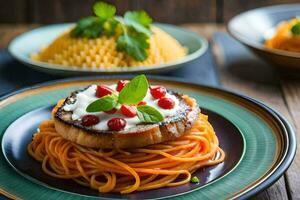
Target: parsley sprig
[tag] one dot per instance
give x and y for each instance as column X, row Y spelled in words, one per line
column 133, row 92
column 195, row 179
column 296, row 28
column 132, row 30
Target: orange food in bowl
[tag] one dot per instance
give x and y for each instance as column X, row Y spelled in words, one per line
column 284, row 39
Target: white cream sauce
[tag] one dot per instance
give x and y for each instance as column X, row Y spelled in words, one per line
column 87, row 96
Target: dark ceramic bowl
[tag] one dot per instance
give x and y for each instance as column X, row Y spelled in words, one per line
column 252, row 28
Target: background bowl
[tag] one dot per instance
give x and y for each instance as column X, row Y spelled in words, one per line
column 32, row 41
column 254, row 26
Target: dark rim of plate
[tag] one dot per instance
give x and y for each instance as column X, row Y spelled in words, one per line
column 290, row 134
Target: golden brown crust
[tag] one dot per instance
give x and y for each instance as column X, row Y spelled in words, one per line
column 151, row 134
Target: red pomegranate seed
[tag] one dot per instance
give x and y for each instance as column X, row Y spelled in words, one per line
column 103, row 90
column 90, row 120
column 112, row 111
column 142, row 103
column 128, row 111
column 121, row 84
column 158, row 92
column 116, row 124
column 166, row 103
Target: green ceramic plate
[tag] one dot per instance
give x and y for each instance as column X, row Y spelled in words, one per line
column 31, row 42
column 258, row 142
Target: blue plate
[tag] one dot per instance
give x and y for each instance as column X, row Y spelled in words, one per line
column 31, row 42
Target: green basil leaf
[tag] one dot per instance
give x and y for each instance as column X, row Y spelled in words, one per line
column 104, row 10
column 105, row 103
column 149, row 114
column 296, row 29
column 134, row 91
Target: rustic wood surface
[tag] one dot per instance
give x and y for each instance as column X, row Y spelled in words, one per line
column 170, row 11
column 283, row 96
column 234, row 7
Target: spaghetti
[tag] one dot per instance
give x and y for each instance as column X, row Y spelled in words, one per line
column 160, row 165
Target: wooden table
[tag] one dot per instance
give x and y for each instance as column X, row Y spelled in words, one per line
column 284, row 97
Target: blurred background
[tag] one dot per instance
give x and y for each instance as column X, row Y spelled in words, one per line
column 227, row 63
column 168, row 11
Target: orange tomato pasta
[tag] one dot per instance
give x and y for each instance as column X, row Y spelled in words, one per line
column 283, row 39
column 166, row 164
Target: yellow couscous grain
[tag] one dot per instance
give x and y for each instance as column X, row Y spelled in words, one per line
column 101, row 52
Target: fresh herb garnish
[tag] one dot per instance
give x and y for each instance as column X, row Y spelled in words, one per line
column 105, row 103
column 296, row 28
column 134, row 46
column 90, row 27
column 104, row 11
column 195, row 179
column 134, row 29
column 149, row 114
column 133, row 93
column 139, row 20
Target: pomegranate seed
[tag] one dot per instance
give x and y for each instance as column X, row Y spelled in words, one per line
column 128, row 111
column 142, row 103
column 158, row 92
column 112, row 111
column 121, row 84
column 90, row 120
column 166, row 103
column 103, row 90
column 116, row 124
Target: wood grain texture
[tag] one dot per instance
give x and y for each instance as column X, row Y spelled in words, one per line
column 8, row 32
column 178, row 11
column 291, row 91
column 207, row 29
column 13, row 11
column 234, row 7
column 293, row 173
column 168, row 11
column 276, row 191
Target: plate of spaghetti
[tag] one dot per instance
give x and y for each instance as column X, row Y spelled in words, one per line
column 139, row 138
column 271, row 32
column 108, row 44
